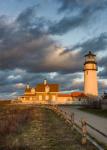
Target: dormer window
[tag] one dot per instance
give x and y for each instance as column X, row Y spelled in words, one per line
column 45, row 82
column 47, row 89
column 33, row 91
column 28, row 87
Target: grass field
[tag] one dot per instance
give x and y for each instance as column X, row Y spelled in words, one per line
column 36, row 128
column 98, row 112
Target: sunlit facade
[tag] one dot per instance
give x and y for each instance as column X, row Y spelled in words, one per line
column 90, row 75
column 48, row 93
column 42, row 93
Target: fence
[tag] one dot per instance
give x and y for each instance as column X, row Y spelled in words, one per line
column 70, row 119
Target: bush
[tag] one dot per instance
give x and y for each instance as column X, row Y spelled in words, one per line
column 93, row 102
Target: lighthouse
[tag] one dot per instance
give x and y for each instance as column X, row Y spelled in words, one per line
column 90, row 75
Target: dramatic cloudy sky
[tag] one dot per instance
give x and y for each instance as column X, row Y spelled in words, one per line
column 48, row 39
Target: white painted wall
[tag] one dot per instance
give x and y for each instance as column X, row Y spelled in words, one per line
column 90, row 82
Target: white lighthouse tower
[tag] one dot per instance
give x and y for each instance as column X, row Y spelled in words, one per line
column 90, row 75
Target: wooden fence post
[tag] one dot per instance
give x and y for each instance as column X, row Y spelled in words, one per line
column 65, row 113
column 72, row 119
column 84, row 132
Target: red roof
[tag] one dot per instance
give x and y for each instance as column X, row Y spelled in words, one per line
column 64, row 95
column 77, row 94
column 73, row 94
column 52, row 87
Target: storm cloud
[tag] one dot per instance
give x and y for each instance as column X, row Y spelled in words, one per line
column 25, row 44
column 95, row 44
column 29, row 52
column 86, row 10
column 69, row 5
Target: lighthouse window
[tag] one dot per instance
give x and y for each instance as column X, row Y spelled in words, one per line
column 93, row 66
column 87, row 72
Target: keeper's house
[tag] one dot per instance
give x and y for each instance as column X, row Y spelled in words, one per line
column 48, row 93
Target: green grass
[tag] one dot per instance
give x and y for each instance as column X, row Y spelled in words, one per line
column 42, row 130
column 98, row 112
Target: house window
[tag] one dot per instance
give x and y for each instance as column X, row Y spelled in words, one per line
column 54, row 97
column 40, row 97
column 47, row 97
column 47, row 89
column 31, row 98
column 33, row 91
